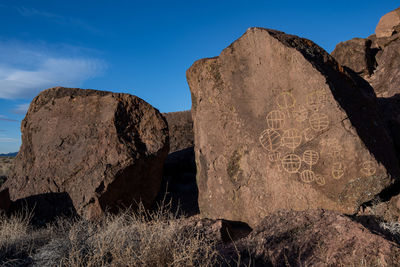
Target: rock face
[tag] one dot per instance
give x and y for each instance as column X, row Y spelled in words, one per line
column 387, row 24
column 105, row 150
column 279, row 124
column 314, row 238
column 180, row 125
column 5, row 201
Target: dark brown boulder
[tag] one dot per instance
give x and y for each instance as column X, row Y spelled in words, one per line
column 313, row 238
column 356, row 54
column 105, row 150
column 5, row 201
column 180, row 125
column 279, row 124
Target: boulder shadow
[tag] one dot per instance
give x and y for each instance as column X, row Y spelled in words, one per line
column 45, row 208
column 179, row 186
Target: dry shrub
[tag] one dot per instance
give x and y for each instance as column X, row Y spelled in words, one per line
column 130, row 238
column 18, row 239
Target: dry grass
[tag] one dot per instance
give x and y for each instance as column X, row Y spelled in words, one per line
column 127, row 239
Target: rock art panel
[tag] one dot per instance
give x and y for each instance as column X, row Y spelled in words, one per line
column 295, row 130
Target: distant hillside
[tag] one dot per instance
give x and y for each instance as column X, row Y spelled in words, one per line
column 9, row 154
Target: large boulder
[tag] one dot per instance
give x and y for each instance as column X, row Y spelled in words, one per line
column 105, row 150
column 388, row 24
column 279, row 124
column 312, row 238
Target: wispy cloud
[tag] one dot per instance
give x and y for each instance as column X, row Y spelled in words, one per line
column 7, row 140
column 5, row 118
column 21, row 109
column 26, row 69
column 56, row 18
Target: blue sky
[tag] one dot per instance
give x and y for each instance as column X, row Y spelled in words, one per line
column 144, row 47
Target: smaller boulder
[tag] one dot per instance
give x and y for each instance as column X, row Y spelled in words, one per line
column 387, row 24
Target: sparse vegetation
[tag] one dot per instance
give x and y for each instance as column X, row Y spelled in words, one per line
column 128, row 239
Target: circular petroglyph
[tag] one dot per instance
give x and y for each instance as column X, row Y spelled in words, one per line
column 291, row 163
column 309, row 134
column 368, row 168
column 319, row 121
column 270, row 139
column 320, row 180
column 310, row 157
column 274, row 156
column 337, row 170
column 300, row 114
column 316, row 99
column 291, row 138
column 285, row 101
column 275, row 119
column 307, row 176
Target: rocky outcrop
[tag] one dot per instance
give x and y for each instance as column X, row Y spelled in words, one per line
column 376, row 58
column 313, row 238
column 280, row 125
column 5, row 201
column 180, row 125
column 104, row 150
column 387, row 25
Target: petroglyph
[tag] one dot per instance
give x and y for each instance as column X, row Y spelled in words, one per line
column 368, row 168
column 310, row 157
column 285, row 101
column 337, row 170
column 274, row 156
column 320, row 180
column 291, row 138
column 317, row 99
column 307, row 176
column 291, row 163
column 309, row 134
column 275, row 119
column 295, row 122
column 300, row 114
column 319, row 121
column 270, row 139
